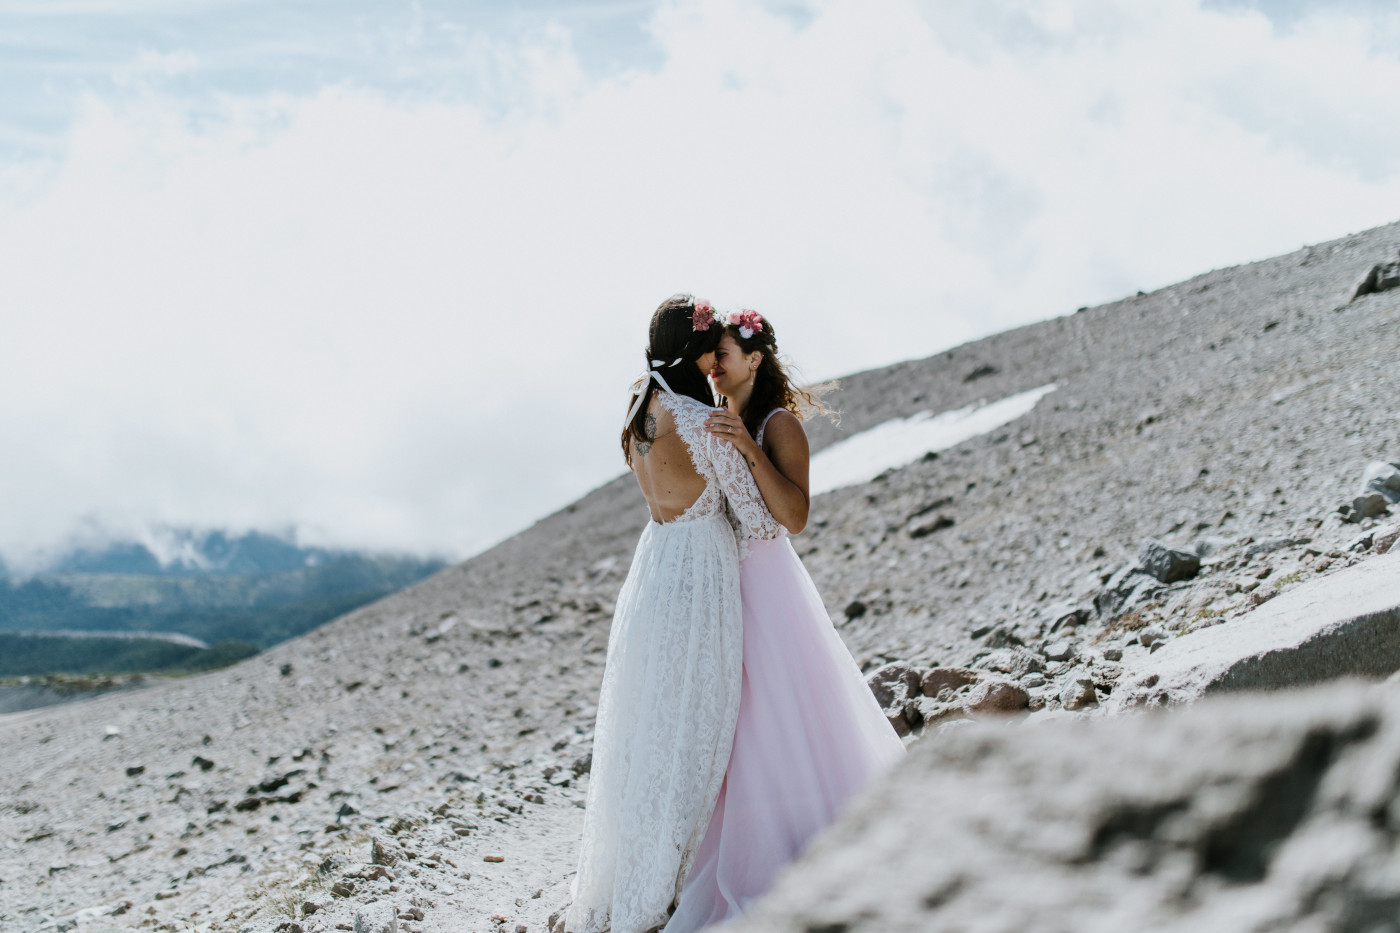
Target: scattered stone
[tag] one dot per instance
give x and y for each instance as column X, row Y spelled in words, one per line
column 378, row 917
column 997, row 697
column 1113, row 653
column 947, row 678
column 1069, row 617
column 1032, row 680
column 1015, row 662
column 1003, row 637
column 274, row 925
column 855, row 609
column 1078, row 693
column 1368, row 505
column 310, row 907
column 1127, row 586
column 382, row 852
column 1269, row 545
column 1165, row 564
column 1060, row 650
column 343, row 888
column 981, row 372
column 1385, row 539
column 582, row 765
column 929, row 526
column 493, row 858
column 135, row 770
column 1363, row 543
column 202, row 763
column 1150, row 636
column 894, row 683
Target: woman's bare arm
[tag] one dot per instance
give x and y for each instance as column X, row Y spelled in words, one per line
column 779, row 467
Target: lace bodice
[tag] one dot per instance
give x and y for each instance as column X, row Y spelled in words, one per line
column 728, row 481
column 770, row 527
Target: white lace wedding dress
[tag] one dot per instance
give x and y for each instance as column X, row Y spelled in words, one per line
column 670, row 695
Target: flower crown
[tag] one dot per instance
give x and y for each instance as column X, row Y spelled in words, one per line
column 703, row 316
column 748, row 322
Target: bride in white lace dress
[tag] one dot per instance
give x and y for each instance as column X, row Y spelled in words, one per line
column 671, row 687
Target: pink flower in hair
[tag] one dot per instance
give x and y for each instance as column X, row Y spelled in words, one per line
column 748, row 322
column 703, row 316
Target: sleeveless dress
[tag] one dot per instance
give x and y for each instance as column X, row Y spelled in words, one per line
column 810, row 735
column 670, row 694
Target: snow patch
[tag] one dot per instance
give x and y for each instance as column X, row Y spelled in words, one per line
column 864, row 456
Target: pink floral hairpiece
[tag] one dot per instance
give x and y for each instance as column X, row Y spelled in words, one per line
column 748, row 322
column 703, row 316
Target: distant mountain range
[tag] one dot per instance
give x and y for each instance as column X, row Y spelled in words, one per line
column 256, row 589
column 184, row 552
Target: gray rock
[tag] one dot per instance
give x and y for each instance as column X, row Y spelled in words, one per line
column 1078, row 693
column 1383, row 277
column 1381, row 477
column 1002, row 637
column 1343, row 624
column 1068, row 616
column 1016, row 662
column 1127, row 585
column 1032, row 680
column 947, row 678
column 1365, row 506
column 934, row 712
column 1385, row 539
column 1165, row 564
column 379, row 917
column 996, row 697
column 1151, row 636
column 894, row 683
column 382, row 852
column 928, row 526
column 1269, row 545
column 1113, row 654
column 1214, row 818
column 1060, row 650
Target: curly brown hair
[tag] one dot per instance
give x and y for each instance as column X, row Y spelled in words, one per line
column 773, row 386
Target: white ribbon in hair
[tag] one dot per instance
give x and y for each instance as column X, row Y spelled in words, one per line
column 639, row 389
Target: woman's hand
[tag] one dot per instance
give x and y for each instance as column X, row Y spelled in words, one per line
column 725, row 424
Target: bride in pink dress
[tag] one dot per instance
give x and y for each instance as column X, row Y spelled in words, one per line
column 809, row 733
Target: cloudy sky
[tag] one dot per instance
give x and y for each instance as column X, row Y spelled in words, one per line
column 380, row 272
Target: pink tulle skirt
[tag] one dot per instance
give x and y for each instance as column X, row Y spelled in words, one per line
column 809, row 736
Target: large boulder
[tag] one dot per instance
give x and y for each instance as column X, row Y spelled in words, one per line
column 1344, row 624
column 1244, row 813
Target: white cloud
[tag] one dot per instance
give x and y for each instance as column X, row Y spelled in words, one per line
column 406, row 321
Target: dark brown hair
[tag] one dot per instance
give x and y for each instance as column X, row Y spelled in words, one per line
column 673, row 337
column 772, row 385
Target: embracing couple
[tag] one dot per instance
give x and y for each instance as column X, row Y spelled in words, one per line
column 732, row 724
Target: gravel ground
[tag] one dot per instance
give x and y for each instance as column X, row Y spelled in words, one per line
column 453, row 719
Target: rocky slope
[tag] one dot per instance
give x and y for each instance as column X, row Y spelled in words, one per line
column 1229, row 416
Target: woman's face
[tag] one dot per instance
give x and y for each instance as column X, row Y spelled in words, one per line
column 732, row 367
